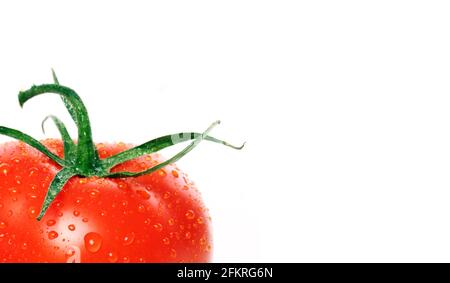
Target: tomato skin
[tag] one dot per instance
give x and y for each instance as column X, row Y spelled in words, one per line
column 158, row 217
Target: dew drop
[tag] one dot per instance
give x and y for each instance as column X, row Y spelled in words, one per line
column 190, row 214
column 93, row 242
column 126, row 259
column 14, row 191
column 85, row 220
column 166, row 241
column 122, row 185
column 10, row 213
column 162, row 173
column 200, row 220
column 128, row 239
column 93, row 192
column 171, row 221
column 175, row 173
column 31, row 196
column 202, row 241
column 76, row 213
column 187, row 235
column 166, row 195
column 51, row 222
column 112, row 257
column 143, row 194
column 78, row 201
column 33, row 171
column 173, row 253
column 52, row 235
column 158, row 227
column 185, row 188
column 24, row 246
column 3, row 225
column 32, row 212
column 71, row 227
column 4, row 169
column 141, row 208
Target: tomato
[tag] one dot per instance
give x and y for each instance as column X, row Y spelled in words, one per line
column 152, row 218
column 62, row 201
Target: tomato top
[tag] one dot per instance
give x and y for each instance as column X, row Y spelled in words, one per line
column 82, row 159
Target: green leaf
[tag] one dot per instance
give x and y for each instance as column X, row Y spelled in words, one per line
column 66, row 102
column 157, row 145
column 87, row 156
column 175, row 158
column 69, row 145
column 32, row 142
column 55, row 187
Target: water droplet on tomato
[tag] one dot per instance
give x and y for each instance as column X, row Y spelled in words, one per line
column 128, row 239
column 173, row 253
column 141, row 208
column 171, row 221
column 202, row 241
column 126, row 259
column 200, row 220
column 162, row 173
column 76, row 213
column 85, row 220
column 166, row 195
column 158, row 227
column 83, row 181
column 190, row 214
column 33, row 171
column 52, row 235
column 112, row 257
column 51, row 222
column 3, row 225
column 31, row 196
column 32, row 212
column 143, row 194
column 71, row 227
column 93, row 192
column 78, row 201
column 188, row 235
column 93, row 242
column 175, row 173
column 4, row 169
column 166, row 241
column 185, row 188
column 10, row 213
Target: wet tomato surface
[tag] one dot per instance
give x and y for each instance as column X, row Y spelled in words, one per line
column 158, row 217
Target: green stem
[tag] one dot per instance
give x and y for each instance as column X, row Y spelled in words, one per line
column 32, row 142
column 82, row 159
column 157, row 145
column 69, row 145
column 87, row 157
column 55, row 187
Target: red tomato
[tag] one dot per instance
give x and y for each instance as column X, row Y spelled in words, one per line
column 152, row 218
column 62, row 201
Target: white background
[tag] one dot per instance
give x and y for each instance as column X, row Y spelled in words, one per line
column 344, row 104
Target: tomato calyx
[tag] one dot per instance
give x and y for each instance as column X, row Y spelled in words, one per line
column 81, row 159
